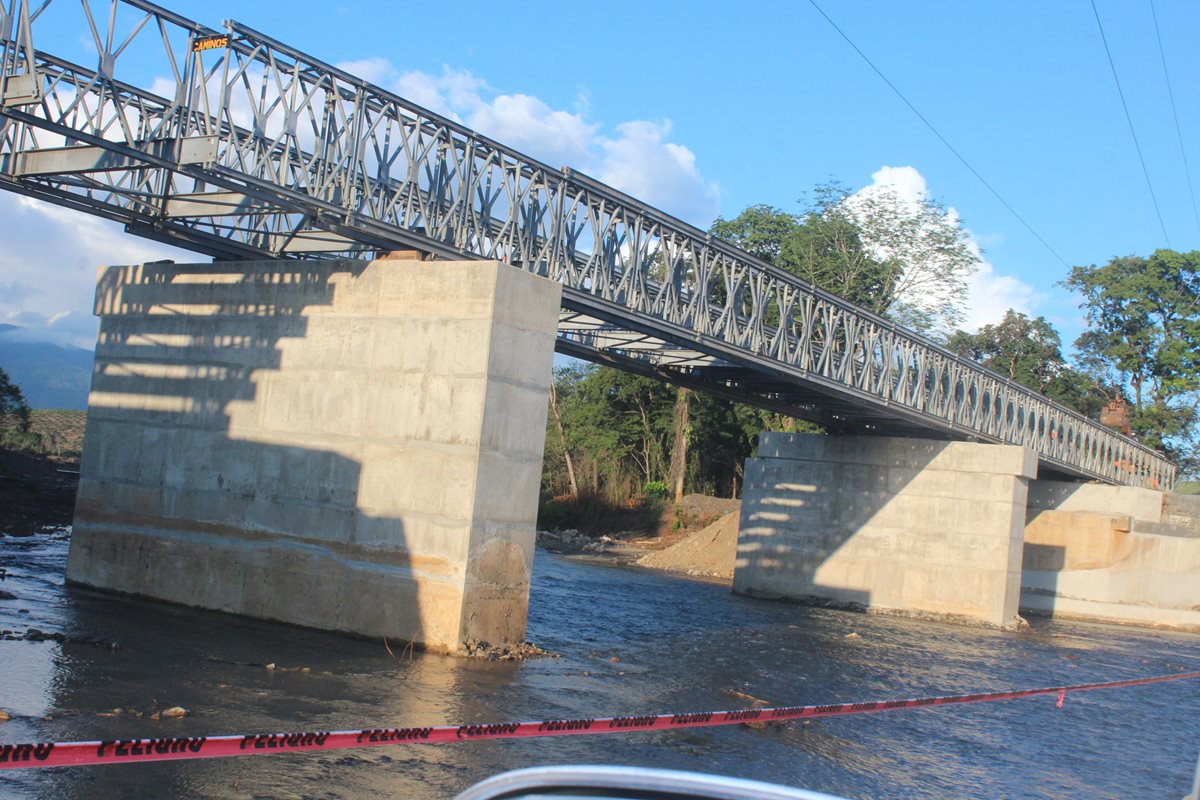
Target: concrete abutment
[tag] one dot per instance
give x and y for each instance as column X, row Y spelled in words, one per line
column 345, row 445
column 1112, row 554
column 906, row 526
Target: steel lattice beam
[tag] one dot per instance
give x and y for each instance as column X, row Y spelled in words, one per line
column 261, row 151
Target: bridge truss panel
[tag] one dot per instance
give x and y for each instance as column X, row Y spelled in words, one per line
column 243, row 147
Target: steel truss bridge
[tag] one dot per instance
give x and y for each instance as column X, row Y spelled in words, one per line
column 232, row 144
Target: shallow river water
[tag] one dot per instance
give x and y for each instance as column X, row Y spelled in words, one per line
column 630, row 643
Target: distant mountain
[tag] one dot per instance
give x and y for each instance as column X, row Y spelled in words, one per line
column 50, row 376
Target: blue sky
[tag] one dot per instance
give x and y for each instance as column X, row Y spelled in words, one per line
column 705, row 108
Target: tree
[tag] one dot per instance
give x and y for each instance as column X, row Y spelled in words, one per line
column 1085, row 391
column 1029, row 352
column 616, row 430
column 1144, row 333
column 619, row 434
column 906, row 258
column 761, row 231
column 928, row 254
column 724, row 435
column 556, row 416
column 821, row 246
column 14, row 411
column 680, row 440
column 1024, row 350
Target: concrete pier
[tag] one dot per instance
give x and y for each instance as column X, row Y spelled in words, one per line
column 907, row 526
column 352, row 446
column 1112, row 554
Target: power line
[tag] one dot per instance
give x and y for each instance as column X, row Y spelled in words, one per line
column 1129, row 119
column 941, row 138
column 1187, row 170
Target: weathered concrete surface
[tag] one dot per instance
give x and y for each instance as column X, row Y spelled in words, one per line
column 1114, row 567
column 1180, row 517
column 1141, row 504
column 906, row 526
column 342, row 445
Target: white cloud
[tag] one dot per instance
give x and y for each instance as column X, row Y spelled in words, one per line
column 642, row 163
column 635, row 156
column 527, row 124
column 989, row 293
column 451, row 94
column 374, row 70
column 48, row 266
column 907, row 182
column 423, row 90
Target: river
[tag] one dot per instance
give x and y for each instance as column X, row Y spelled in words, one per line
column 629, row 642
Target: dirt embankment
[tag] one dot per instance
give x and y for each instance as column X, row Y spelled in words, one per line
column 709, row 552
column 697, row 537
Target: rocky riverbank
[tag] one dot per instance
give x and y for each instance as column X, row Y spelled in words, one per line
column 36, row 492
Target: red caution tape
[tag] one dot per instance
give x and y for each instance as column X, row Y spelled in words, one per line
column 126, row 751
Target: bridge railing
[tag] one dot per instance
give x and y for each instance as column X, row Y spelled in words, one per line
column 246, row 147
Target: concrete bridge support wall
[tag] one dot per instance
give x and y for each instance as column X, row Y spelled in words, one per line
column 342, row 445
column 1112, row 554
column 907, row 526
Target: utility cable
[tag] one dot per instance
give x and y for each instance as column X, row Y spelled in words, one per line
column 1129, row 119
column 941, row 138
column 1187, row 170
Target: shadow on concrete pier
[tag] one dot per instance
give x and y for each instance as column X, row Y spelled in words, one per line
column 351, row 446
